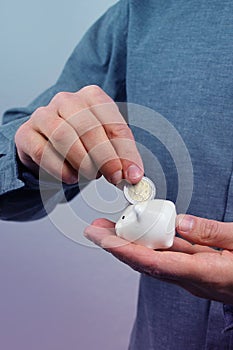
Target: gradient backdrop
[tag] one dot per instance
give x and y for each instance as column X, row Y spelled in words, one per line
column 55, row 294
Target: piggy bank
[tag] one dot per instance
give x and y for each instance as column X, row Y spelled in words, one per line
column 150, row 223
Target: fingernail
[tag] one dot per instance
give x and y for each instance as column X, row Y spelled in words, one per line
column 134, row 173
column 74, row 179
column 116, row 177
column 185, row 223
column 87, row 233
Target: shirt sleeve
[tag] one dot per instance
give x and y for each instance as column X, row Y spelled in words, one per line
column 228, row 317
column 99, row 59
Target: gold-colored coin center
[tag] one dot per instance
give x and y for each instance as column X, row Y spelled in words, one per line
column 142, row 191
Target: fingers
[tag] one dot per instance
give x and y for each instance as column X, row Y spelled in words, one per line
column 159, row 264
column 35, row 149
column 88, row 131
column 103, row 132
column 181, row 245
column 202, row 271
column 102, row 232
column 64, row 139
column 121, row 138
column 104, row 223
column 206, row 232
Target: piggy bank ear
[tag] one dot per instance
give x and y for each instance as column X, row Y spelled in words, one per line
column 138, row 209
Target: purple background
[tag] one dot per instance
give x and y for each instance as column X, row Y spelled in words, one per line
column 55, row 294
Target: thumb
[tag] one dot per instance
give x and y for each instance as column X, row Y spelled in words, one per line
column 205, row 232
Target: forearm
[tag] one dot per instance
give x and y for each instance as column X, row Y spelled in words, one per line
column 26, row 205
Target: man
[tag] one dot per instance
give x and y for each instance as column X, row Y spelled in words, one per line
column 174, row 57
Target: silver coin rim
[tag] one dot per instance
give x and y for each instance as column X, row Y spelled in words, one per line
column 133, row 201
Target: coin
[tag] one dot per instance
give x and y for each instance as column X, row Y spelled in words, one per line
column 143, row 191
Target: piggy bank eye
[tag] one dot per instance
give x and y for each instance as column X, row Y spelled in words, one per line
column 123, row 217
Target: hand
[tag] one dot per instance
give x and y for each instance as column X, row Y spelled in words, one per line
column 203, row 271
column 80, row 133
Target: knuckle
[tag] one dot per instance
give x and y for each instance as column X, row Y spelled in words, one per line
column 57, row 135
column 209, row 230
column 23, row 135
column 40, row 113
column 61, row 97
column 95, row 95
column 21, row 132
column 92, row 90
column 86, row 123
column 37, row 153
column 120, row 130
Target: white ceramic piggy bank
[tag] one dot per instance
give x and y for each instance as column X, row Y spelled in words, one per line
column 150, row 223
